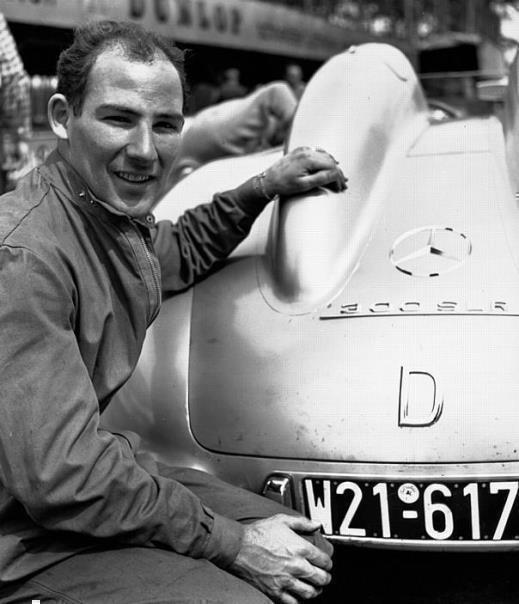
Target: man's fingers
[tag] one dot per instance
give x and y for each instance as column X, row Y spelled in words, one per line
column 321, row 543
column 314, row 159
column 313, row 575
column 325, row 178
column 326, row 154
column 302, row 170
column 319, row 558
column 304, row 591
column 300, row 524
column 286, row 598
column 325, row 166
column 320, row 549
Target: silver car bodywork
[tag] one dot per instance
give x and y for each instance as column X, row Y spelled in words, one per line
column 357, row 344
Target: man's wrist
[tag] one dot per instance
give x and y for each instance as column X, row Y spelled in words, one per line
column 258, row 182
column 224, row 541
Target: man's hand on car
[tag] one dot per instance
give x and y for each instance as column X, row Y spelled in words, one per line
column 280, row 562
column 301, row 170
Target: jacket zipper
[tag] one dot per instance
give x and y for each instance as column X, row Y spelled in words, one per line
column 154, row 271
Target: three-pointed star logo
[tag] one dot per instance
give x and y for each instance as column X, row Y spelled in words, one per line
column 430, row 251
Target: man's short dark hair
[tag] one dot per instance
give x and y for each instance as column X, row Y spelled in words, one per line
column 90, row 40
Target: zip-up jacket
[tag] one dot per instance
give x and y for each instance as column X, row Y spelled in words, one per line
column 79, row 285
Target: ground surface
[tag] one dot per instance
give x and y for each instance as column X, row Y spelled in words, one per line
column 364, row 576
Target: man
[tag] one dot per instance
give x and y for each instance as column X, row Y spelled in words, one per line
column 15, row 108
column 231, row 87
column 294, row 78
column 84, row 517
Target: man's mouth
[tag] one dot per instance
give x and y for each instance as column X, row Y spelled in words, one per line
column 134, row 178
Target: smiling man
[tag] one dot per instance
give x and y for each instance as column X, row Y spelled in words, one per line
column 84, row 515
column 125, row 136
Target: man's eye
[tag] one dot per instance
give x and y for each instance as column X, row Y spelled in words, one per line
column 168, row 126
column 118, row 119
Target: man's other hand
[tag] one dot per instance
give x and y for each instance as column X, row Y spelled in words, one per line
column 280, row 562
column 301, row 170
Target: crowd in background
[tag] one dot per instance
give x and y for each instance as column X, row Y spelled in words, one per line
column 228, row 85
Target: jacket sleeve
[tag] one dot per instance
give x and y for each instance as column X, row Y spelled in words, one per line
column 55, row 460
column 204, row 236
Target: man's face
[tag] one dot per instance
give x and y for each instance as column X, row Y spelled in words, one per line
column 127, row 136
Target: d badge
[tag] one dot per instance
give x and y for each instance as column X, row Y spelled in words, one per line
column 420, row 402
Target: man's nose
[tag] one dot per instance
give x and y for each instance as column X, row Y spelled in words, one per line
column 142, row 145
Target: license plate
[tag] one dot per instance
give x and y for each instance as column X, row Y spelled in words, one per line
column 434, row 511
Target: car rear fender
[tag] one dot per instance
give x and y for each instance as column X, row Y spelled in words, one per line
column 366, row 107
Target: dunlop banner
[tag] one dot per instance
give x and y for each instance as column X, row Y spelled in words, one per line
column 240, row 24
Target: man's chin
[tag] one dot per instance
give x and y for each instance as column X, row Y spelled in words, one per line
column 137, row 211
column 133, row 207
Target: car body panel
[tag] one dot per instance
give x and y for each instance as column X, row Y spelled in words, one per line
column 368, row 335
column 446, row 327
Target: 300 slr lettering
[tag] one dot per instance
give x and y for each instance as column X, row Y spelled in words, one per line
column 444, row 306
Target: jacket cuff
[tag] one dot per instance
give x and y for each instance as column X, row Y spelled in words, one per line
column 248, row 198
column 224, row 541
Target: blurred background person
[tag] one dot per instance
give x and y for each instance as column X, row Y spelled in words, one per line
column 231, row 86
column 294, row 78
column 204, row 91
column 237, row 127
column 203, row 94
column 15, row 109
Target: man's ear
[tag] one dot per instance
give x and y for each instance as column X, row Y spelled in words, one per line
column 58, row 111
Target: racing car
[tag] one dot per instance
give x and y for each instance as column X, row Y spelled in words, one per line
column 357, row 357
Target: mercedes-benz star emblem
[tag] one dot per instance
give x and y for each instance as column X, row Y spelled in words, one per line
column 430, row 251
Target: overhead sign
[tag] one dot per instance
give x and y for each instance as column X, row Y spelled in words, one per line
column 240, row 24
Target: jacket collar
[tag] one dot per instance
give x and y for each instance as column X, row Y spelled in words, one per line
column 61, row 174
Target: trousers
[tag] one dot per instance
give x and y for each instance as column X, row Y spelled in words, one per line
column 140, row 575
